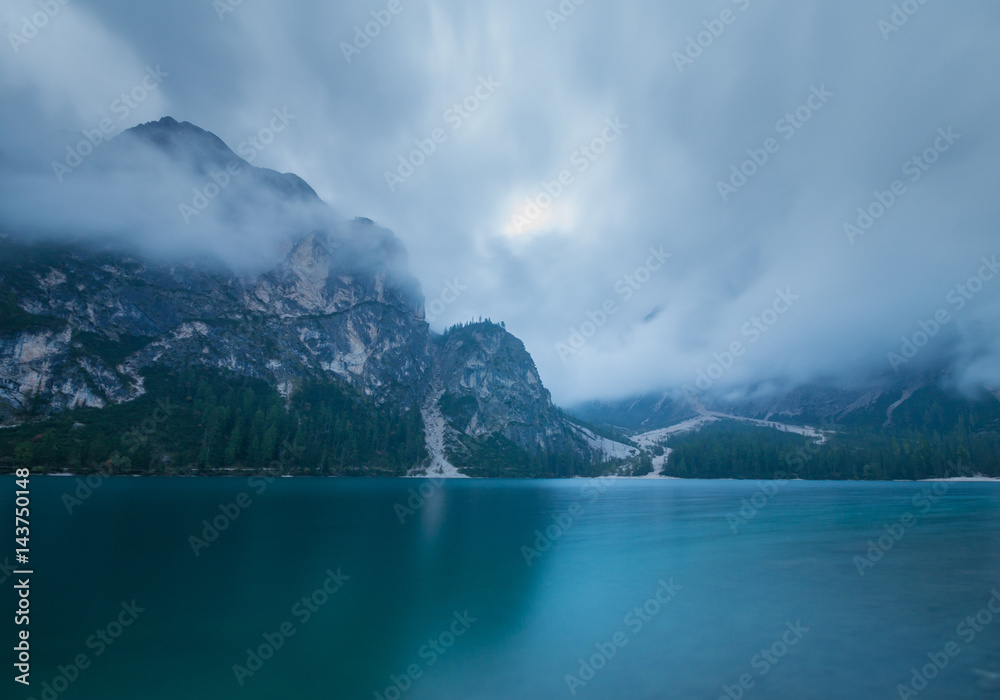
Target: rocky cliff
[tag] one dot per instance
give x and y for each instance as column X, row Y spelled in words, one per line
column 83, row 324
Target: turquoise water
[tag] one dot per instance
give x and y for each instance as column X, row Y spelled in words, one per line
column 647, row 581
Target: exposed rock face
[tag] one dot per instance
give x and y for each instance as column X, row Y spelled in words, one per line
column 491, row 386
column 81, row 325
column 35, row 366
column 810, row 403
column 305, row 319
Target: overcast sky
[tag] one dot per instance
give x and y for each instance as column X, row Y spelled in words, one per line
column 643, row 109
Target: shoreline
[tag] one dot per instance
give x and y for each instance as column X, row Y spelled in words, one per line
column 431, row 477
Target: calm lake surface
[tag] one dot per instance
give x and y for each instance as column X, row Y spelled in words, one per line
column 645, row 590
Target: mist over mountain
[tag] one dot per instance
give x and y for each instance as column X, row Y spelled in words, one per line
column 819, row 220
column 325, row 343
column 500, row 348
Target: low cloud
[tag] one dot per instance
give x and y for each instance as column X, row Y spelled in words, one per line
column 884, row 102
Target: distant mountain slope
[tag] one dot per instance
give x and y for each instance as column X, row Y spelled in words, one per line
column 899, row 428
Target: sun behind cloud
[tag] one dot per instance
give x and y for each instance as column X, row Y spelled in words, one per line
column 538, row 215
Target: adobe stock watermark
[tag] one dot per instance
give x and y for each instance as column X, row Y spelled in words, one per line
column 230, row 512
column 302, row 610
column 767, row 490
column 454, row 118
column 224, row 7
column 787, row 127
column 100, row 641
column 901, row 14
column 958, row 298
column 636, row 620
column 581, row 159
column 562, row 522
column 449, row 295
column 5, row 570
column 967, row 631
column 562, row 13
column 626, row 288
column 914, row 169
column 703, row 40
column 429, row 654
column 31, row 26
column 363, row 36
column 765, row 660
column 801, row 456
column 753, row 330
column 922, row 504
column 133, row 439
column 248, row 149
column 106, row 129
column 417, row 499
column 750, row 507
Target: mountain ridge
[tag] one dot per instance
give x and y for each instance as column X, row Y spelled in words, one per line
column 326, row 348
column 84, row 323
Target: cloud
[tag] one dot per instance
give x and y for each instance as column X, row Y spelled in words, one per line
column 886, row 97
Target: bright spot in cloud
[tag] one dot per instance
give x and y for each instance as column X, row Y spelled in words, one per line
column 527, row 218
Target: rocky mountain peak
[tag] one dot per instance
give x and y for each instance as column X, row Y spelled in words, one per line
column 339, row 309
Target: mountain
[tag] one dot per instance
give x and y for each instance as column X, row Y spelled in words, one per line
column 904, row 426
column 320, row 361
column 234, row 323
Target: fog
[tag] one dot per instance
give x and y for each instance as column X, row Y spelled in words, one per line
column 646, row 193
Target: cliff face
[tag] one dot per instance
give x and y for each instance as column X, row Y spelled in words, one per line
column 491, row 387
column 81, row 325
column 90, row 323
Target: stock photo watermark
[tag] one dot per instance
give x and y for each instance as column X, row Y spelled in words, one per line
column 787, row 127
column 958, row 297
column 133, row 439
column 303, row 611
column 230, row 512
column 626, row 288
column 224, row 7
column 454, row 118
column 801, row 456
column 546, row 539
column 901, row 14
column 536, row 208
column 703, row 40
column 363, row 35
column 765, row 660
column 100, row 641
column 635, row 621
column 450, row 293
column 750, row 507
column 106, row 129
column 5, row 569
column 922, row 504
column 429, row 653
column 914, row 169
column 753, row 330
column 417, row 499
column 33, row 25
column 562, row 13
column 248, row 149
column 937, row 661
